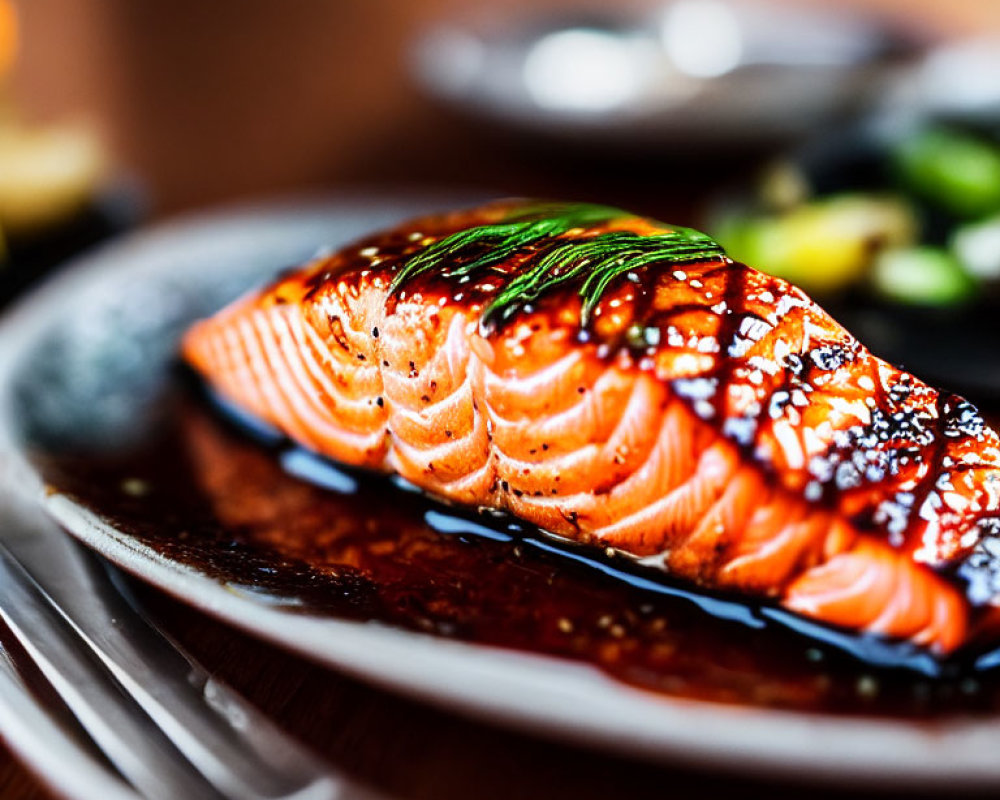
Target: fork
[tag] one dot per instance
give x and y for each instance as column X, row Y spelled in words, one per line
column 155, row 720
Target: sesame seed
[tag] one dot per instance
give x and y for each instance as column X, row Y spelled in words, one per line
column 867, row 686
column 135, row 487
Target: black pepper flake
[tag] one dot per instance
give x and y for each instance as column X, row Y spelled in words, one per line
column 375, row 332
column 379, row 402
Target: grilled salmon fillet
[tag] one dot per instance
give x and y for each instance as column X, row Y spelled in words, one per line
column 622, row 382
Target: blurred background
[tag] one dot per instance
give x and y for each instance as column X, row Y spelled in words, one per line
column 211, row 101
column 850, row 146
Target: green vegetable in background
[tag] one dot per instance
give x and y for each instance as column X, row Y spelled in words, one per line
column 823, row 246
column 783, row 186
column 977, row 246
column 922, row 276
column 952, row 169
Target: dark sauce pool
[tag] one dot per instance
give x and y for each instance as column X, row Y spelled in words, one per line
column 288, row 527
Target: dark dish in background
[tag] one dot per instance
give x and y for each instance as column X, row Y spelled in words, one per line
column 896, row 227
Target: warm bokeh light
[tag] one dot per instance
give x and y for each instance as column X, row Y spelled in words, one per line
column 8, row 36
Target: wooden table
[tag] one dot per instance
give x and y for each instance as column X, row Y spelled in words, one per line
column 159, row 115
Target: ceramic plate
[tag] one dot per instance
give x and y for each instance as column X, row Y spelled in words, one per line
column 89, row 353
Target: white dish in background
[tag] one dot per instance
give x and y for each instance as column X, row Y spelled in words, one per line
column 111, row 323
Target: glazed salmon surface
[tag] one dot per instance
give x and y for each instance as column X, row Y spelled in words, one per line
column 622, row 382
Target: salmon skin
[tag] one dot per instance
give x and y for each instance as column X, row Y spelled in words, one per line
column 622, row 382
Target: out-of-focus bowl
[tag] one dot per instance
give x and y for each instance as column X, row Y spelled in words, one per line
column 697, row 73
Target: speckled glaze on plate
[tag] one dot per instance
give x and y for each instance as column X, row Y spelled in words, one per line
column 90, row 353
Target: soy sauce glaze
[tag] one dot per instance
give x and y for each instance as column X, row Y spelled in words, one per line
column 289, row 528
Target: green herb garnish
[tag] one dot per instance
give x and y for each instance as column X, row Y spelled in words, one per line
column 594, row 260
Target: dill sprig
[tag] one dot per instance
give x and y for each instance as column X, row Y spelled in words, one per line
column 520, row 230
column 598, row 261
column 592, row 260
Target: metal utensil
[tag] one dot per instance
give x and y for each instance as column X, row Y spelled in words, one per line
column 164, row 726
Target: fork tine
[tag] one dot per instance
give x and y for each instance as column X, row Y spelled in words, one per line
column 42, row 741
column 241, row 752
column 130, row 740
column 238, row 750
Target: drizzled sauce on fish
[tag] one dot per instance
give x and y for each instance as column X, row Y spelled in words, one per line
column 288, row 528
